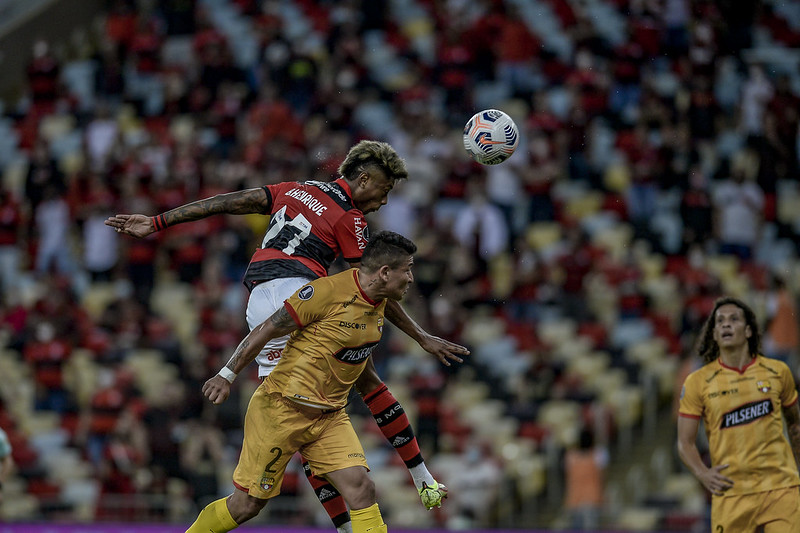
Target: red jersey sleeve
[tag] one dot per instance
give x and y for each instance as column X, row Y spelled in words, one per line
column 352, row 235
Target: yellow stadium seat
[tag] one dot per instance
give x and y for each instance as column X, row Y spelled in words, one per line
column 543, row 235
column 615, row 240
column 724, row 267
column 639, row 519
column 97, row 297
column 586, row 204
column 557, row 332
column 562, row 418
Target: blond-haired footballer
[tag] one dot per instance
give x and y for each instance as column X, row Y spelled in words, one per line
column 335, row 322
column 743, row 399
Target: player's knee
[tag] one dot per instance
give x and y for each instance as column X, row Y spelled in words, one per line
column 363, row 493
column 244, row 507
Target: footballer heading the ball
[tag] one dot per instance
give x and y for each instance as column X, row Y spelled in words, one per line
column 490, row 137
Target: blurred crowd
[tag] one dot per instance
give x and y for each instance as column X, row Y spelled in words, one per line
column 657, row 169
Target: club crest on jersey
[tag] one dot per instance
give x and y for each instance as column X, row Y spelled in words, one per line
column 266, row 482
column 380, row 324
column 763, row 386
column 306, row 292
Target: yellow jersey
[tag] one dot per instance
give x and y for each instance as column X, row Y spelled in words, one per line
column 741, row 411
column 339, row 328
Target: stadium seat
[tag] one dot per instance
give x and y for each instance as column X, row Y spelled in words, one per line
column 625, row 403
column 557, row 332
column 562, row 420
column 639, row 519
column 580, row 207
column 543, row 235
column 615, row 240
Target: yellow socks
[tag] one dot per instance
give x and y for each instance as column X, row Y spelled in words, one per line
column 367, row 520
column 215, row 518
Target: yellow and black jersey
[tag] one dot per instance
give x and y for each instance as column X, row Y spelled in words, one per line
column 339, row 327
column 741, row 410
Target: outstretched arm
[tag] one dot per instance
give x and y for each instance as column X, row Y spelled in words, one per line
column 711, row 478
column 234, row 203
column 792, row 416
column 444, row 350
column 217, row 389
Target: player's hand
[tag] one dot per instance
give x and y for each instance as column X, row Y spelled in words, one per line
column 135, row 225
column 715, row 482
column 444, row 350
column 217, row 389
column 432, row 495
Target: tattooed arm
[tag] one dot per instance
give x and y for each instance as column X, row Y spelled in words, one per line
column 792, row 416
column 234, row 203
column 218, row 388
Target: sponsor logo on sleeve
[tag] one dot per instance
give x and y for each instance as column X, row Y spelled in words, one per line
column 306, row 292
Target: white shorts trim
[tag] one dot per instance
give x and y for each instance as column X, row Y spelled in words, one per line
column 265, row 299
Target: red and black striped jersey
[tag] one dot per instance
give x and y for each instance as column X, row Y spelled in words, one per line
column 311, row 224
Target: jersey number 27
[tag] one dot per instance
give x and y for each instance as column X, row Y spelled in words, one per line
column 279, row 222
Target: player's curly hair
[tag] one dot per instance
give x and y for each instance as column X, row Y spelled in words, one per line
column 376, row 154
column 707, row 347
column 386, row 248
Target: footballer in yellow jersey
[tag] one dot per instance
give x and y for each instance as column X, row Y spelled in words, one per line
column 741, row 412
column 335, row 324
column 743, row 399
column 323, row 361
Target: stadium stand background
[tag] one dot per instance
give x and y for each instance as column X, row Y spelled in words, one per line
column 576, row 272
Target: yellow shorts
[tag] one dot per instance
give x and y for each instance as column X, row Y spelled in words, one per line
column 275, row 428
column 777, row 511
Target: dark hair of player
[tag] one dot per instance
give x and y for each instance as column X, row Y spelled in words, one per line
column 387, row 248
column 707, row 347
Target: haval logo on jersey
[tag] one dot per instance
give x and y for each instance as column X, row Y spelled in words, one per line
column 362, row 233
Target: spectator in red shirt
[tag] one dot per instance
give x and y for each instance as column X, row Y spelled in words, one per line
column 44, row 73
column 46, row 355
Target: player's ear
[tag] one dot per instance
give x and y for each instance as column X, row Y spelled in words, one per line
column 383, row 273
column 748, row 332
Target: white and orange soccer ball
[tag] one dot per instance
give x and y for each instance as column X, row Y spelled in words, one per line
column 490, row 137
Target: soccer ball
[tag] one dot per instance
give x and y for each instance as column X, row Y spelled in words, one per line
column 490, row 137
